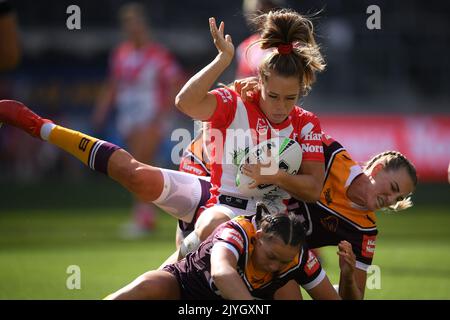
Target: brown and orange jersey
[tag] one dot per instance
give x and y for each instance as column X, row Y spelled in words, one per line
column 194, row 159
column 237, row 235
column 335, row 217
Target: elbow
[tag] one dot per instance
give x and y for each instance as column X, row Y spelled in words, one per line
column 183, row 100
column 217, row 277
column 179, row 101
column 220, row 277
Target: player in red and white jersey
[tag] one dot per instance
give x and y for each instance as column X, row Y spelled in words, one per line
column 284, row 78
column 263, row 257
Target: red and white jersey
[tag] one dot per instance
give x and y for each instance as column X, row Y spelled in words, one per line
column 249, row 60
column 232, row 119
column 143, row 77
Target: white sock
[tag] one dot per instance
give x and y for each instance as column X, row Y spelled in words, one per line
column 189, row 244
column 46, row 129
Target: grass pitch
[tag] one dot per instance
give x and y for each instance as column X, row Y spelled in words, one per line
column 38, row 245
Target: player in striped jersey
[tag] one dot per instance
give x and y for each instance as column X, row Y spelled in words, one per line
column 285, row 76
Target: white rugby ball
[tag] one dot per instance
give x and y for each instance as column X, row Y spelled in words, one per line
column 285, row 154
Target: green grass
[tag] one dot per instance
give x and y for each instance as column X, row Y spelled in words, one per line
column 37, row 246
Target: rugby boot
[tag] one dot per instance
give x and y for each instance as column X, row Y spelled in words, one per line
column 16, row 114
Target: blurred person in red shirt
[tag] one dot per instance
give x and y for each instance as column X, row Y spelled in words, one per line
column 249, row 60
column 144, row 78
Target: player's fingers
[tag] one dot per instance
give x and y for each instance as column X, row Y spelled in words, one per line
column 228, row 38
column 238, row 86
column 244, row 90
column 221, row 28
column 213, row 27
column 252, row 185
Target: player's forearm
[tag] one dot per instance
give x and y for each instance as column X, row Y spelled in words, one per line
column 230, row 284
column 194, row 92
column 301, row 186
column 104, row 102
column 348, row 288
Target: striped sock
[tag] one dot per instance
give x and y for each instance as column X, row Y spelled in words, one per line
column 91, row 151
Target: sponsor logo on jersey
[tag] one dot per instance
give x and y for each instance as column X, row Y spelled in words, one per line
column 312, row 265
column 234, row 237
column 261, row 126
column 368, row 246
column 225, row 94
column 313, row 136
column 306, row 147
column 330, row 223
column 192, row 169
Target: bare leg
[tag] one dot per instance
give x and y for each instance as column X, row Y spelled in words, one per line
column 144, row 181
column 152, row 285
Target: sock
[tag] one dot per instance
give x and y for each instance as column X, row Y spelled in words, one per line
column 189, row 244
column 91, row 151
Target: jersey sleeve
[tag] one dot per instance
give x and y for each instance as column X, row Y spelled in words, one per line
column 226, row 108
column 310, row 273
column 310, row 138
column 229, row 237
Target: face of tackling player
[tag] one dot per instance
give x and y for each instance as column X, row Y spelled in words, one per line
column 271, row 254
column 388, row 187
column 278, row 96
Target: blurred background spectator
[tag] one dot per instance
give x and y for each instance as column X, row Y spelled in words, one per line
column 143, row 81
column 9, row 46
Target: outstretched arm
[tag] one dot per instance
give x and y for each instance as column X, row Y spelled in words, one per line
column 194, row 99
column 324, row 291
column 225, row 275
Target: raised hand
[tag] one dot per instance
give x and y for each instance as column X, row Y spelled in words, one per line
column 223, row 43
column 246, row 87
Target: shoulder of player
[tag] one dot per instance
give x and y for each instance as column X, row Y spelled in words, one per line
column 300, row 117
column 238, row 231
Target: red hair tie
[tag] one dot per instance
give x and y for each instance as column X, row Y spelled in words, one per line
column 285, row 48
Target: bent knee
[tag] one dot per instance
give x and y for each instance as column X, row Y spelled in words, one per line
column 207, row 223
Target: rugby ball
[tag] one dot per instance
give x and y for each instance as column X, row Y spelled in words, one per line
column 276, row 153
